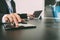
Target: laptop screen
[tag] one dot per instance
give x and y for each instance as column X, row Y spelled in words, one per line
column 37, row 13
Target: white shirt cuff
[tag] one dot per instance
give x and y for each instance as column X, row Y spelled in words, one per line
column 3, row 20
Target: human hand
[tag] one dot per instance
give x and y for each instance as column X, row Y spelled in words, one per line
column 13, row 18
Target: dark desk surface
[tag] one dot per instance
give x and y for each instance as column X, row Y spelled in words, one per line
column 47, row 29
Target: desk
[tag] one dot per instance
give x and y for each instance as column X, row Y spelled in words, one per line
column 47, row 29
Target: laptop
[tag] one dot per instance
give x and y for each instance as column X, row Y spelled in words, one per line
column 37, row 14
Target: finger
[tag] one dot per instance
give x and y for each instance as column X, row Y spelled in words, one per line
column 17, row 17
column 15, row 20
column 6, row 19
column 10, row 18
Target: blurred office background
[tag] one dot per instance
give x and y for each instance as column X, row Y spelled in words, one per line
column 48, row 10
column 29, row 6
column 50, row 7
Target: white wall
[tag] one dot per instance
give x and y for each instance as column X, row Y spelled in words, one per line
column 29, row 6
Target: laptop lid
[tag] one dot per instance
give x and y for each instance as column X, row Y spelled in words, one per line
column 37, row 13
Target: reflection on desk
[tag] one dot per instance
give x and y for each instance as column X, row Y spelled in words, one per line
column 47, row 29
